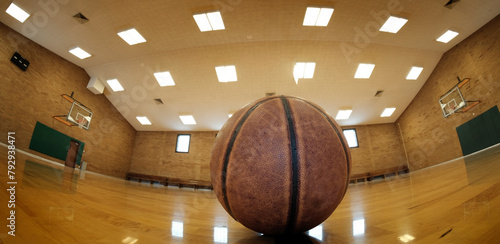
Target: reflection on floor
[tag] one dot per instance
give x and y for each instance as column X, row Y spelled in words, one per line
column 455, row 202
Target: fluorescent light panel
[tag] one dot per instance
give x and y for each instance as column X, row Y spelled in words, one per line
column 17, row 12
column 343, row 114
column 388, row 112
column 316, row 16
column 131, row 36
column 80, row 53
column 303, row 70
column 447, row 36
column 414, row 73
column 143, row 120
column 364, row 71
column 164, row 78
column 226, row 73
column 115, row 85
column 209, row 21
column 393, row 24
column 187, row 119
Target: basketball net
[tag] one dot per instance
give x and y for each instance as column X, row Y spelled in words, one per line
column 81, row 123
column 451, row 109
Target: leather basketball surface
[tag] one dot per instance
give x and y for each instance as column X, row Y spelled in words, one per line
column 280, row 165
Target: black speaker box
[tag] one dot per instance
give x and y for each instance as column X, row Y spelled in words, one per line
column 18, row 60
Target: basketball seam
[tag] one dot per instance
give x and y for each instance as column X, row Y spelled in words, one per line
column 294, row 192
column 229, row 150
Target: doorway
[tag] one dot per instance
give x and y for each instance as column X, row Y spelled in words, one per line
column 72, row 153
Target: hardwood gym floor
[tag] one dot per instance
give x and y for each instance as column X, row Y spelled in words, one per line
column 454, row 202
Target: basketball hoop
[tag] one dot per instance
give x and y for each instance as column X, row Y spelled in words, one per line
column 451, row 109
column 81, row 123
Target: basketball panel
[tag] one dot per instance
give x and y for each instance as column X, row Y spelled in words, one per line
column 259, row 174
column 323, row 165
column 219, row 149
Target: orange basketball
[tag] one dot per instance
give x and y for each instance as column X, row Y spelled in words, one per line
column 280, row 165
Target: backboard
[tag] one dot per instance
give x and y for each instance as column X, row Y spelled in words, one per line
column 79, row 115
column 452, row 101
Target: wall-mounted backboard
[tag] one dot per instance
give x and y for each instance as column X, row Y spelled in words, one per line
column 452, row 101
column 79, row 115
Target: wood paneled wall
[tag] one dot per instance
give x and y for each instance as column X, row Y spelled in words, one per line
column 35, row 95
column 428, row 136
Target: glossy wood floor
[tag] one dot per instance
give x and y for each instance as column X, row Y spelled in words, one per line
column 455, row 202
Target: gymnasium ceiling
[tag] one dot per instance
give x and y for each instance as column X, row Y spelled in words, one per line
column 264, row 40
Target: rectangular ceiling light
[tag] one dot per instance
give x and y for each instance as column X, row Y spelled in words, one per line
column 131, row 36
column 388, row 112
column 393, row 24
column 414, row 73
column 143, row 120
column 303, row 70
column 187, row 119
column 343, row 114
column 209, row 21
column 226, row 73
column 447, row 36
column 164, row 78
column 364, row 71
column 115, row 85
column 215, row 20
column 80, row 53
column 316, row 16
column 17, row 12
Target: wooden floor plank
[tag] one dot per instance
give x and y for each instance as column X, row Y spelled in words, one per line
column 456, row 202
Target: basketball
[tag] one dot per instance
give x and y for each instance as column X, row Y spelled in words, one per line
column 280, row 165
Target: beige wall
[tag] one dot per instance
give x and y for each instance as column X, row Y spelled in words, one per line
column 379, row 148
column 154, row 154
column 35, row 95
column 428, row 136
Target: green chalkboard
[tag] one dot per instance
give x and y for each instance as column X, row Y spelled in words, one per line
column 480, row 132
column 53, row 143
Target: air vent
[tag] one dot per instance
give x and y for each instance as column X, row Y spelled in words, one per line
column 379, row 93
column 80, row 18
column 158, row 101
column 268, row 94
column 451, row 4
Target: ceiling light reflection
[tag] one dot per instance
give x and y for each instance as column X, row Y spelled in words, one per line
column 358, row 227
column 406, row 238
column 220, row 234
column 177, row 229
column 316, row 232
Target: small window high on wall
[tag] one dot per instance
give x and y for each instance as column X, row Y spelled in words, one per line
column 351, row 137
column 183, row 142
